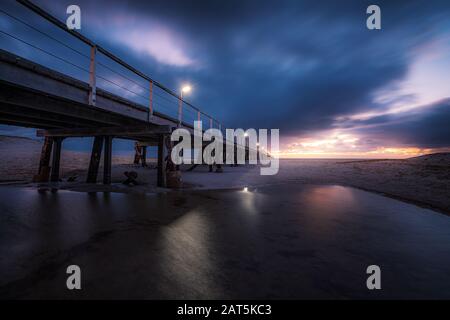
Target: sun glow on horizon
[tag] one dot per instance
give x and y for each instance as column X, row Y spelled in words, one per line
column 379, row 153
column 345, row 145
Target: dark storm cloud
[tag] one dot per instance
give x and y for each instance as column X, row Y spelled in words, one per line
column 293, row 65
column 427, row 127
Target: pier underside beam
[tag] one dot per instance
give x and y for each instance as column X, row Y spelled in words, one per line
column 106, row 131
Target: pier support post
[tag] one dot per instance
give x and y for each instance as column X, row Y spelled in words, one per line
column 162, row 153
column 44, row 162
column 56, row 159
column 137, row 153
column 107, row 160
column 211, row 166
column 144, row 156
column 95, row 160
column 235, row 155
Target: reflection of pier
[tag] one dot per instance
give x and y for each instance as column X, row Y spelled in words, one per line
column 32, row 95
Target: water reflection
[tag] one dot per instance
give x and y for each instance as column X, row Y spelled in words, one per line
column 284, row 241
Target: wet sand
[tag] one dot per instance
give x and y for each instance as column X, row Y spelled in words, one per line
column 285, row 241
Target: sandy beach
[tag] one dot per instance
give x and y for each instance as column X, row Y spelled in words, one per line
column 424, row 181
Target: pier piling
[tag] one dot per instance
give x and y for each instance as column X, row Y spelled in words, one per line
column 95, row 159
column 44, row 162
column 162, row 152
column 56, row 160
column 107, row 160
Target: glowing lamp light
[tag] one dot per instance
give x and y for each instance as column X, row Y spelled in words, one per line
column 245, row 189
column 186, row 89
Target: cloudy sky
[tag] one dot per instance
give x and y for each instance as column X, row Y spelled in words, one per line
column 310, row 68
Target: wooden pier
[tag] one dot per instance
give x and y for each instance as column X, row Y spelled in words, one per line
column 62, row 107
column 34, row 96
